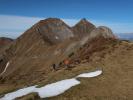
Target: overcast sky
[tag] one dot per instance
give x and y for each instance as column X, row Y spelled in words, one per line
column 16, row 16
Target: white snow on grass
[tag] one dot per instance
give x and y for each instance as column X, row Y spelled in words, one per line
column 50, row 90
column 91, row 74
column 18, row 93
column 57, row 88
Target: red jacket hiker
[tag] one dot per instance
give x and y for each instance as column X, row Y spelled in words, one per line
column 66, row 62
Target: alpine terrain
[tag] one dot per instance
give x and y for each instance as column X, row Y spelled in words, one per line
column 38, row 57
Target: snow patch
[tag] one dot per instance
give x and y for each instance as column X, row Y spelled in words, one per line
column 50, row 90
column 91, row 74
column 57, row 88
column 19, row 93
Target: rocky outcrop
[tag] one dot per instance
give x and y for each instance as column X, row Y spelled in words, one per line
column 101, row 31
column 83, row 28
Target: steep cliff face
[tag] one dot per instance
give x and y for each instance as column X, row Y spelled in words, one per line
column 83, row 28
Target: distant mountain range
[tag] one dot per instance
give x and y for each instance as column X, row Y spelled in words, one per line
column 4, row 43
column 126, row 36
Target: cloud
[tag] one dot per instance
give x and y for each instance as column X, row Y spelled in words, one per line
column 14, row 26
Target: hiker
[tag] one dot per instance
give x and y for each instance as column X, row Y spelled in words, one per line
column 60, row 64
column 67, row 63
column 54, row 66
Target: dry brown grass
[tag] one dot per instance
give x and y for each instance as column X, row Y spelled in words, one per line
column 114, row 84
column 6, row 88
column 67, row 73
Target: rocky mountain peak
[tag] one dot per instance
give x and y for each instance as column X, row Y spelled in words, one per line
column 83, row 20
column 83, row 28
column 54, row 30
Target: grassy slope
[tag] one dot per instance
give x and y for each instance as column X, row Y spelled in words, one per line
column 115, row 82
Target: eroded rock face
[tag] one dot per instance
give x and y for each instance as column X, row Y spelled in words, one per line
column 102, row 31
column 54, row 30
column 83, row 28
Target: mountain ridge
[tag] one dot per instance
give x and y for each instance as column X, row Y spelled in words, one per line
column 30, row 57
